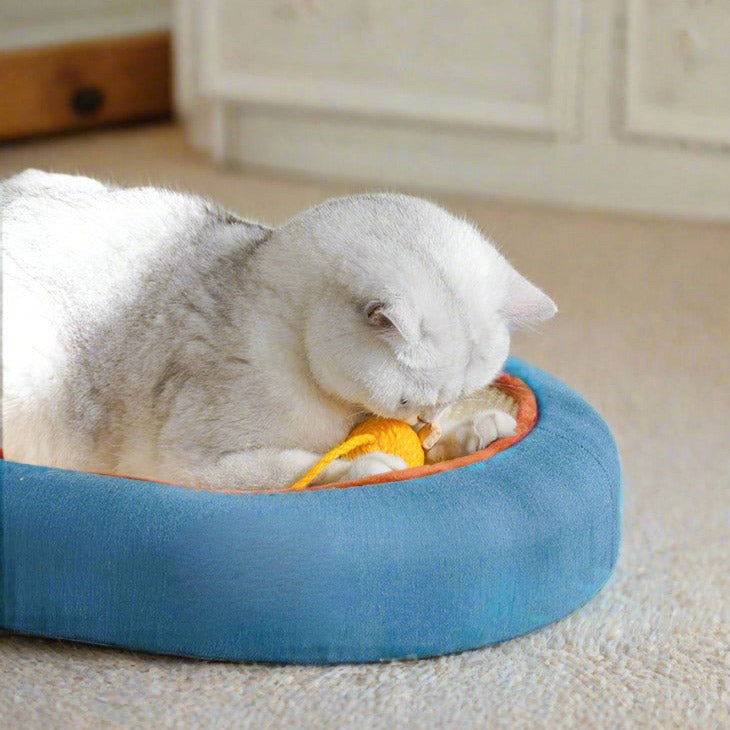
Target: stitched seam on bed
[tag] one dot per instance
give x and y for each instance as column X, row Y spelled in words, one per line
column 583, row 448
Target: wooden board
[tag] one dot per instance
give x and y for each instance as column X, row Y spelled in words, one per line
column 84, row 84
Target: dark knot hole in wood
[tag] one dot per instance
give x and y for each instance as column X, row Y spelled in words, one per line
column 87, row 100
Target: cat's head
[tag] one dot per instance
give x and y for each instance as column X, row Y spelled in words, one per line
column 415, row 308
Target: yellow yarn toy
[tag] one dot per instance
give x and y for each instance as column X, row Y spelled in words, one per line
column 387, row 435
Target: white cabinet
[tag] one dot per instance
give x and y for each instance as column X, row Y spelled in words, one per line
column 409, row 59
column 25, row 23
column 599, row 103
column 678, row 69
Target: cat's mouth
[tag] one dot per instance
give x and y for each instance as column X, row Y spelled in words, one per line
column 412, row 419
column 426, row 416
column 417, row 420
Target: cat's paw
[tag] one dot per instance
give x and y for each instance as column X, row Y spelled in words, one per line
column 475, row 433
column 492, row 425
column 369, row 465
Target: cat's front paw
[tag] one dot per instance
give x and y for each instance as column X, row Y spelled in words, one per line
column 369, row 465
column 475, row 433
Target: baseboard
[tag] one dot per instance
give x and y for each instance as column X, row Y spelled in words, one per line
column 616, row 175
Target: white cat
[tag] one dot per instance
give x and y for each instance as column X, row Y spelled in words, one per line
column 152, row 334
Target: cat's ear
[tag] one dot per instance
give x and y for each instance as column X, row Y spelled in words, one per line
column 525, row 304
column 391, row 319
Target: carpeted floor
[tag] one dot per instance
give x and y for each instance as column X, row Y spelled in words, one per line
column 644, row 332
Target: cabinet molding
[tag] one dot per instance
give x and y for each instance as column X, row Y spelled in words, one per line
column 555, row 114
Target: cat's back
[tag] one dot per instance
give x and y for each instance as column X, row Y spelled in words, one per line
column 75, row 252
column 75, row 249
column 78, row 233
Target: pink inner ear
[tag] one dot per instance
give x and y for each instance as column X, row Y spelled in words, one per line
column 377, row 316
column 392, row 319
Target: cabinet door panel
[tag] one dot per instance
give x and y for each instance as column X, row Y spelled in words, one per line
column 511, row 64
column 678, row 69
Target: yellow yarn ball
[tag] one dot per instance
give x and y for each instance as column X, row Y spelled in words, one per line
column 391, row 437
column 386, row 435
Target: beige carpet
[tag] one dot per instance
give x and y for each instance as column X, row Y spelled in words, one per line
column 644, row 332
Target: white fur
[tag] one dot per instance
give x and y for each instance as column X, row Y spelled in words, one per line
column 150, row 333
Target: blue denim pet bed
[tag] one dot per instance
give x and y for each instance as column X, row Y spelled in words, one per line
column 435, row 564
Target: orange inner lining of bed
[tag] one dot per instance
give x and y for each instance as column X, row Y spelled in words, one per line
column 526, row 420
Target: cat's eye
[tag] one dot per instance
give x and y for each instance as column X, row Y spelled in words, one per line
column 404, row 401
